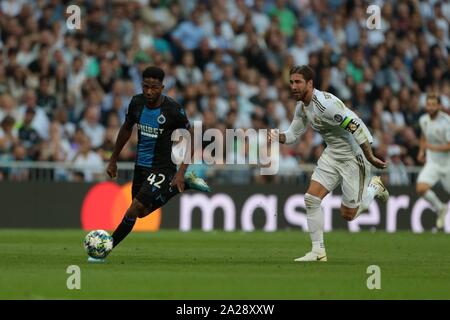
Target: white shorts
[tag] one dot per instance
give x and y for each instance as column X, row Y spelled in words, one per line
column 432, row 173
column 353, row 175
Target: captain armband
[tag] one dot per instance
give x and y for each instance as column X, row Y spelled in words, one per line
column 353, row 126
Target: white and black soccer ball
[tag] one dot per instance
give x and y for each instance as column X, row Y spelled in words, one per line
column 98, row 243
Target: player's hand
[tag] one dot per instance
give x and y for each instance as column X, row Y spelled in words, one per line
column 178, row 181
column 377, row 163
column 275, row 135
column 111, row 169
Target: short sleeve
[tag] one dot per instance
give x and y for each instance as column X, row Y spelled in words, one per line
column 337, row 114
column 181, row 120
column 131, row 116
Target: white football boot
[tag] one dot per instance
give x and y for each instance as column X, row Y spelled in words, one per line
column 313, row 256
column 382, row 193
column 440, row 222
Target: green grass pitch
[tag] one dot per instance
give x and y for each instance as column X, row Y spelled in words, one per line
column 221, row 265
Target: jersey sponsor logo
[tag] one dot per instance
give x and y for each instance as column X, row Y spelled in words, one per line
column 161, row 119
column 149, row 131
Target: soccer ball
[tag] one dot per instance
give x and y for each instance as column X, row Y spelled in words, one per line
column 98, row 243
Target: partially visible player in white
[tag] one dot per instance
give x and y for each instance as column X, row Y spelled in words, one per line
column 345, row 161
column 435, row 143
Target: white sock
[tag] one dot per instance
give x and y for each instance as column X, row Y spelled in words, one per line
column 314, row 216
column 369, row 194
column 432, row 198
column 318, row 246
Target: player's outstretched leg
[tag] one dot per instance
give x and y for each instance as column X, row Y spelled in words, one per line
column 442, row 213
column 314, row 216
column 375, row 188
column 134, row 211
column 141, row 208
column 441, row 208
column 191, row 182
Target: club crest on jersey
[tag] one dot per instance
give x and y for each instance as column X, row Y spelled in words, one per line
column 161, row 119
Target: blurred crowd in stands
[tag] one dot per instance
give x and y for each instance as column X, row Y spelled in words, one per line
column 64, row 93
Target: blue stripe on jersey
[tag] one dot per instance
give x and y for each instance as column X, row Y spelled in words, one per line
column 147, row 140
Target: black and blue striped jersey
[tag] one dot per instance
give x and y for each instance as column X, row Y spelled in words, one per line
column 155, row 127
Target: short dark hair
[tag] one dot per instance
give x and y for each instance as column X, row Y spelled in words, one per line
column 153, row 72
column 305, row 71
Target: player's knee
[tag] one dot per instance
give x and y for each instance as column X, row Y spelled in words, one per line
column 347, row 216
column 141, row 215
column 136, row 210
column 312, row 202
column 421, row 189
column 144, row 212
column 348, row 213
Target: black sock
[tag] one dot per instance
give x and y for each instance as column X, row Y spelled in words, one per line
column 123, row 229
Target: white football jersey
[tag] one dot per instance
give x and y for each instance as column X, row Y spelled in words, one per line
column 337, row 124
column 436, row 131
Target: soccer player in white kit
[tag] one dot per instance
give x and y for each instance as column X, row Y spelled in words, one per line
column 435, row 143
column 345, row 161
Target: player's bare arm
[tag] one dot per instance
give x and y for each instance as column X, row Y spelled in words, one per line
column 122, row 138
column 367, row 150
column 421, row 154
column 438, row 147
column 294, row 132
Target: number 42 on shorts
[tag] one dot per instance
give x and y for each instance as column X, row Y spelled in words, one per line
column 156, row 179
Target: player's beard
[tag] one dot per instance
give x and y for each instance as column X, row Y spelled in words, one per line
column 297, row 95
column 300, row 95
column 433, row 113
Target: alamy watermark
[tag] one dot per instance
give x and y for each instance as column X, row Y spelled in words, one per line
column 374, row 280
column 235, row 147
column 374, row 20
column 73, row 22
column 74, row 280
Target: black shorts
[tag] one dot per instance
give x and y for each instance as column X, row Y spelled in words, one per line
column 149, row 183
